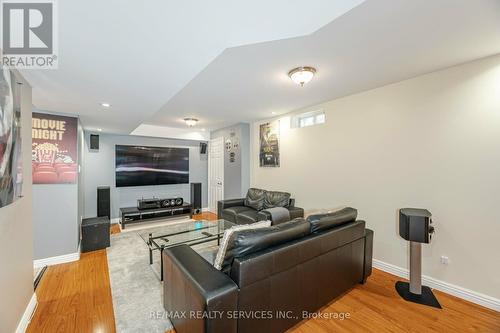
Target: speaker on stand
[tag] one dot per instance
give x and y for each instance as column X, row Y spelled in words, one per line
column 415, row 225
column 103, row 201
column 196, row 197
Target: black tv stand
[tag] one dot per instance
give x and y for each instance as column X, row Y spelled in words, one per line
column 129, row 215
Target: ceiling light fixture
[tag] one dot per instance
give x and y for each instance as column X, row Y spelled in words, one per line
column 302, row 75
column 190, row 122
column 106, row 105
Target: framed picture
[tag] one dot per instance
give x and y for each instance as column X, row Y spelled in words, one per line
column 11, row 170
column 54, row 149
column 269, row 154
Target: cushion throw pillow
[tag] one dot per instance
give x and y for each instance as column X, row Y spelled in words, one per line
column 276, row 199
column 246, row 242
column 219, row 258
column 255, row 198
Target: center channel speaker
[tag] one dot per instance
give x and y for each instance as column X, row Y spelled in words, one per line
column 196, row 197
column 171, row 202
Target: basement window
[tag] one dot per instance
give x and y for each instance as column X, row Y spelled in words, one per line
column 309, row 119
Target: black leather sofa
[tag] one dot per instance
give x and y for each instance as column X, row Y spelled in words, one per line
column 252, row 208
column 297, row 266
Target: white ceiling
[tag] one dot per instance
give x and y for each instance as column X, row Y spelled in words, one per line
column 226, row 61
column 376, row 43
column 138, row 55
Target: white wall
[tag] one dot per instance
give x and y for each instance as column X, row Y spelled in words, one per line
column 16, row 235
column 430, row 142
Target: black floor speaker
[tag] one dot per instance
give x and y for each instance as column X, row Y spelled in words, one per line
column 103, row 201
column 196, row 197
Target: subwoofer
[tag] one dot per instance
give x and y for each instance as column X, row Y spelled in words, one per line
column 103, row 201
column 196, row 197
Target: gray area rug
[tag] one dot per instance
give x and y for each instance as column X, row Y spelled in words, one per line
column 135, row 285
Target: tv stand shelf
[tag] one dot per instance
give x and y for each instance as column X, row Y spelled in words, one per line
column 129, row 215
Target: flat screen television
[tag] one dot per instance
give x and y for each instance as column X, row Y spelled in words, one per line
column 142, row 166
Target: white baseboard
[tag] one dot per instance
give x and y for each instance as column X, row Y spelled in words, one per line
column 466, row 294
column 28, row 313
column 56, row 260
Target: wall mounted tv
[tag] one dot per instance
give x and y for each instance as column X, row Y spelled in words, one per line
column 141, row 166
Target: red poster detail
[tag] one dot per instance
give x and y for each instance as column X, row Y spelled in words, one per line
column 54, row 150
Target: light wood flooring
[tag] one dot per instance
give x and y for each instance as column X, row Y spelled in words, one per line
column 76, row 297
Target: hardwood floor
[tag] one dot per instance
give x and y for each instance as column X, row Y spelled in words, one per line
column 76, row 297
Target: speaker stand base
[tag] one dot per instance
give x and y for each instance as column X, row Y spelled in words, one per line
column 426, row 298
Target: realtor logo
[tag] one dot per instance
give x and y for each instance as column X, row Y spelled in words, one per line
column 29, row 34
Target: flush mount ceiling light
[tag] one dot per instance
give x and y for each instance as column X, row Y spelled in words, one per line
column 106, row 105
column 190, row 121
column 302, row 75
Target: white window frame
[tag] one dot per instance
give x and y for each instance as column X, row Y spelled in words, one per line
column 313, row 118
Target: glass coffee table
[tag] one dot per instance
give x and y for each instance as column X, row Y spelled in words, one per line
column 190, row 233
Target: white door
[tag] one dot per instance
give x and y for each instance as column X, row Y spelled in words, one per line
column 215, row 173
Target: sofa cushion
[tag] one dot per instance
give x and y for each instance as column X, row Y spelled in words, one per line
column 276, row 199
column 249, row 216
column 231, row 212
column 325, row 221
column 247, row 241
column 221, row 254
column 255, row 198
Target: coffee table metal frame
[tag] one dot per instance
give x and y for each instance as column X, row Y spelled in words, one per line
column 153, row 244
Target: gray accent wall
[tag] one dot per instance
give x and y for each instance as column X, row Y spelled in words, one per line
column 16, row 234
column 237, row 172
column 99, row 170
column 56, row 221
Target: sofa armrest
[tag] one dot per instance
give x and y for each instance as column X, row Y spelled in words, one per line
column 367, row 270
column 199, row 297
column 295, row 212
column 223, row 204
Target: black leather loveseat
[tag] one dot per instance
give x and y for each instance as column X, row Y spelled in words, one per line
column 253, row 207
column 275, row 275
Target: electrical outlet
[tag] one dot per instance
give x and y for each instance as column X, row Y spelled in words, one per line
column 445, row 260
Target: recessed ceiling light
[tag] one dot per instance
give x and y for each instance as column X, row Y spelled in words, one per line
column 106, row 105
column 302, row 75
column 190, row 122
column 273, row 113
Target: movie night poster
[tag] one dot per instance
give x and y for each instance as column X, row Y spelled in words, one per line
column 54, row 149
